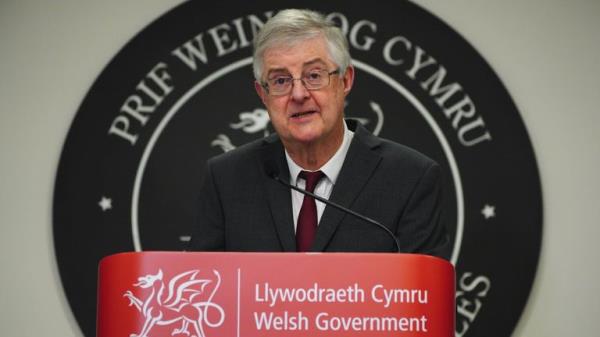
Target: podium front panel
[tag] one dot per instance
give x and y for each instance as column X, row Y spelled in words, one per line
column 274, row 295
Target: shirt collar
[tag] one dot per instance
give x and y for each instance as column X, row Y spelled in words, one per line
column 332, row 167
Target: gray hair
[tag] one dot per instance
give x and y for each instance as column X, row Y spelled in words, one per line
column 291, row 26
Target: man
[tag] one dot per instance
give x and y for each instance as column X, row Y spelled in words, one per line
column 303, row 75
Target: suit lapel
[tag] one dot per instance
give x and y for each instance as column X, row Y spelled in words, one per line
column 278, row 196
column 359, row 165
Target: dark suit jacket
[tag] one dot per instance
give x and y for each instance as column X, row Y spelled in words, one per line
column 242, row 208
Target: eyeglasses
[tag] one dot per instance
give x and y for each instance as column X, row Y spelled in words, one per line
column 313, row 80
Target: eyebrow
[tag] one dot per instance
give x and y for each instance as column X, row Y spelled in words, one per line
column 314, row 61
column 317, row 60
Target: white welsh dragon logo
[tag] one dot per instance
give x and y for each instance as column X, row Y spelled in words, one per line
column 258, row 121
column 179, row 301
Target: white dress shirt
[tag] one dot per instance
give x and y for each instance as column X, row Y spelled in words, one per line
column 331, row 169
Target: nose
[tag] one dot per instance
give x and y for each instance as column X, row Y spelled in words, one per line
column 299, row 91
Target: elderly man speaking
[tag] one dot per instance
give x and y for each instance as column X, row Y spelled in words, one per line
column 303, row 75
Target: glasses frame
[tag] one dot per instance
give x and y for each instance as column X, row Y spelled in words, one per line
column 265, row 85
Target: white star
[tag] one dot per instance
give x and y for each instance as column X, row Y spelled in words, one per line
column 105, row 203
column 488, row 211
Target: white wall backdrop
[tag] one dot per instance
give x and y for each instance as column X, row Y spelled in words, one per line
column 547, row 53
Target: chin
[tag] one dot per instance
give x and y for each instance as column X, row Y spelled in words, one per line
column 305, row 137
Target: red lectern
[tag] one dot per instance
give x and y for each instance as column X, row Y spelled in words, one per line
column 155, row 294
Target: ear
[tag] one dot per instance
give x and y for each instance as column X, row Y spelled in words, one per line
column 260, row 90
column 348, row 79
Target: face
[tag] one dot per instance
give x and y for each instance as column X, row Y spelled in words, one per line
column 305, row 117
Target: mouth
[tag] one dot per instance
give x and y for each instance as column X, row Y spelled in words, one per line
column 302, row 114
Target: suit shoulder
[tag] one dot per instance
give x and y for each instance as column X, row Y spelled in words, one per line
column 392, row 153
column 241, row 154
column 402, row 154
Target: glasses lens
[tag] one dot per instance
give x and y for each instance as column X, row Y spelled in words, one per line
column 315, row 79
column 279, row 84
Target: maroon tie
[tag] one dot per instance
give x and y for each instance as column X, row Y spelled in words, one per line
column 307, row 219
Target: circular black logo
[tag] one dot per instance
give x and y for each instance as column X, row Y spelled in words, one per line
column 182, row 91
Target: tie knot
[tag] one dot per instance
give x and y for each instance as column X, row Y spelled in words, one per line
column 312, row 179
